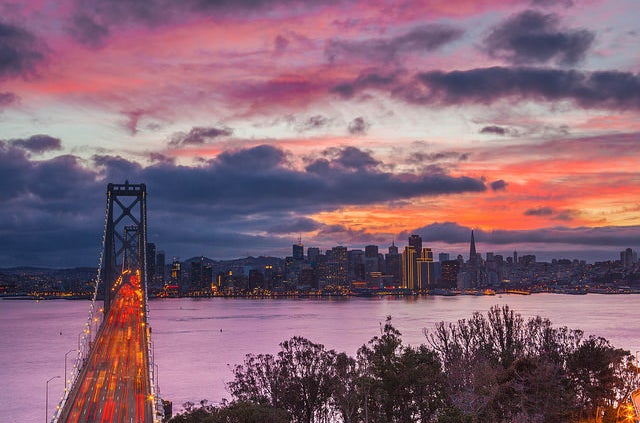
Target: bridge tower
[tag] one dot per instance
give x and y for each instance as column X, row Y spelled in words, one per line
column 125, row 235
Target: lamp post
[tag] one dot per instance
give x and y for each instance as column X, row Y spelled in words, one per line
column 156, row 378
column 46, row 398
column 65, row 368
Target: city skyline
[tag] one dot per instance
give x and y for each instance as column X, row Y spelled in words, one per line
column 343, row 122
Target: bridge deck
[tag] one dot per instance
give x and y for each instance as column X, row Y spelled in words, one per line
column 114, row 384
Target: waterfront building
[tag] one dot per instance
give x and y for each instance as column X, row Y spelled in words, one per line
column 393, row 265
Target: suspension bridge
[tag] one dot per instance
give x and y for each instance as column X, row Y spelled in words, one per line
column 114, row 378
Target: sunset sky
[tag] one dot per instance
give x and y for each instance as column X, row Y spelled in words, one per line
column 254, row 122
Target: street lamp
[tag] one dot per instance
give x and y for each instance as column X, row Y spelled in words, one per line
column 65, row 368
column 156, row 378
column 46, row 398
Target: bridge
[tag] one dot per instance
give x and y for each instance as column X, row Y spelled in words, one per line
column 114, row 378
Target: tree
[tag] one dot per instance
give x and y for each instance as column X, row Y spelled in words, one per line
column 403, row 384
column 300, row 380
column 596, row 369
column 234, row 412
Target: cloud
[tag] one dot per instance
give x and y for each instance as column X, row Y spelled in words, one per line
column 237, row 196
column 312, row 123
column 603, row 89
column 420, row 157
column 199, row 135
column 453, row 233
column 280, row 44
column 86, row 30
column 37, row 143
column 358, row 126
column 550, row 3
column 7, row 98
column 534, row 37
column 493, row 129
column 20, row 51
column 498, row 185
column 367, row 79
column 93, row 21
column 600, row 89
column 294, row 225
column 422, row 39
column 540, row 211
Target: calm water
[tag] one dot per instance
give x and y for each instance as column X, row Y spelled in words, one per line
column 197, row 342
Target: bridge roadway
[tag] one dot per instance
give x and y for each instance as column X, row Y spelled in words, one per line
column 114, row 383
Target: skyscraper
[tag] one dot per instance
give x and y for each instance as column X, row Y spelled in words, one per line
column 160, row 266
column 298, row 251
column 472, row 248
column 393, row 265
column 415, row 241
column 409, row 267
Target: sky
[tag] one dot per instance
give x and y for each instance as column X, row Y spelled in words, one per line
column 254, row 123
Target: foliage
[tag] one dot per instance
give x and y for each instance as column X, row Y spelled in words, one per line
column 498, row 367
column 235, row 412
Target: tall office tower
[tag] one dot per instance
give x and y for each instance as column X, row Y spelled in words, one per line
column 371, row 262
column 176, row 274
column 515, row 257
column 393, row 264
column 393, row 248
column 449, row 273
column 298, row 251
column 337, row 266
column 371, row 251
column 628, row 258
column 472, row 248
column 160, row 269
column 268, row 276
column 312, row 255
column 425, row 270
column 355, row 260
column 415, row 241
column 195, row 276
column 409, row 267
column 151, row 262
column 444, row 257
column 207, row 277
column 256, row 279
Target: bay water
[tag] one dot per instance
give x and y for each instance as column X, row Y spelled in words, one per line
column 197, row 342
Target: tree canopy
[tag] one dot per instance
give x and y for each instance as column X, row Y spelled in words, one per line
column 493, row 367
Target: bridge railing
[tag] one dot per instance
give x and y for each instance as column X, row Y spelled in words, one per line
column 84, row 342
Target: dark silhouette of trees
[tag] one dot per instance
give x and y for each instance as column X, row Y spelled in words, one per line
column 498, row 367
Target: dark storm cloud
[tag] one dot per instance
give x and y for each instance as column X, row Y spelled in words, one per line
column 53, row 209
column 534, row 37
column 37, row 143
column 199, row 135
column 493, row 129
column 499, row 185
column 293, row 225
column 20, row 51
column 541, row 211
column 602, row 89
column 358, row 126
column 453, row 233
column 94, row 20
column 425, row 38
column 605, row 89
